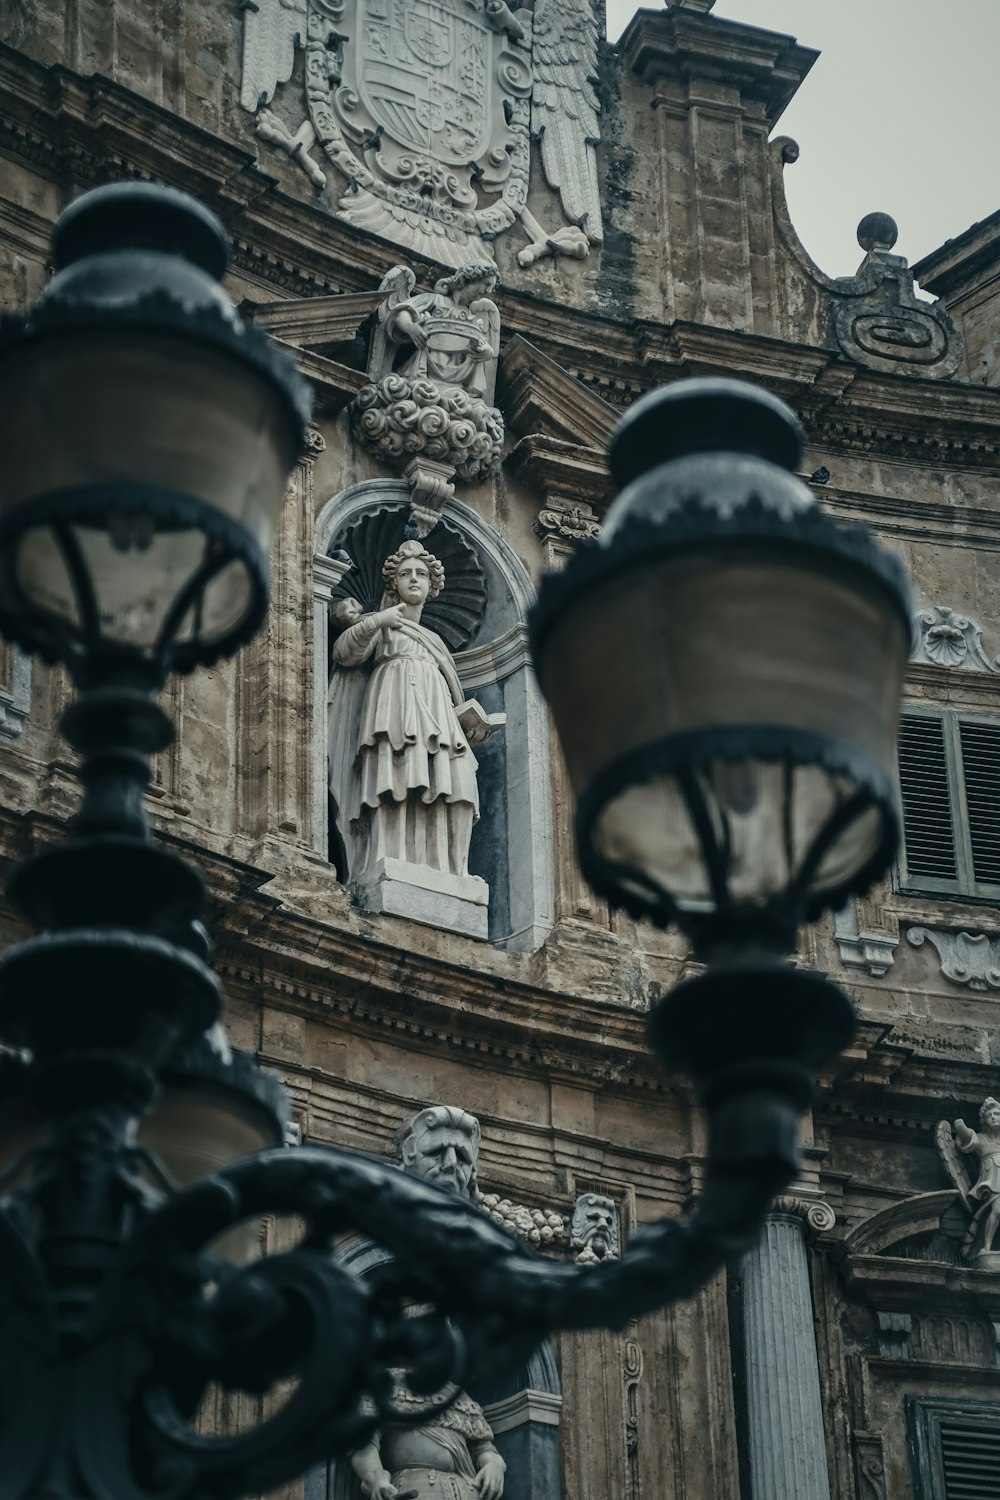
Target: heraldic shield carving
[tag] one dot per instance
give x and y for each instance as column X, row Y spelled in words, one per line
column 427, row 110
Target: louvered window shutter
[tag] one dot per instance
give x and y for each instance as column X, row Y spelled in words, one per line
column 955, row 1448
column 970, row 1459
column 981, row 768
column 928, row 826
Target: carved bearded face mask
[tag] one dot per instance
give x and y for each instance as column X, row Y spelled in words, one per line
column 595, row 1224
column 444, row 1154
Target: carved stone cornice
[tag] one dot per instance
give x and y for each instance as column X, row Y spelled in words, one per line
column 963, row 263
column 968, row 690
column 334, row 384
column 83, row 131
column 670, row 351
column 682, row 44
column 539, row 396
column 971, row 526
column 313, row 322
column 80, row 131
column 565, row 474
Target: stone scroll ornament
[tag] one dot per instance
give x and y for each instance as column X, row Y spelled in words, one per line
column 427, row 109
column 878, row 320
column 981, row 1198
column 970, row 958
column 944, row 638
column 428, row 408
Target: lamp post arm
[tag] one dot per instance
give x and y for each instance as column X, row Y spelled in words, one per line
column 459, row 1295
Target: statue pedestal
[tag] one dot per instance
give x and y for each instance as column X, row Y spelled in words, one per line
column 393, row 887
column 987, row 1260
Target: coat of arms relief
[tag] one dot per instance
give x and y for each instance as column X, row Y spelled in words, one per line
column 427, row 109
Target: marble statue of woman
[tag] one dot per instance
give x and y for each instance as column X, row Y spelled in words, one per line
column 402, row 768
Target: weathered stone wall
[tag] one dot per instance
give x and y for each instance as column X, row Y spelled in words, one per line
column 965, row 274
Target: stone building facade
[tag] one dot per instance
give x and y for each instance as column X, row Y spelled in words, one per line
column 640, row 237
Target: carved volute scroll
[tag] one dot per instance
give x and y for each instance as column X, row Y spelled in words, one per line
column 816, row 1216
column 967, row 958
column 878, row 320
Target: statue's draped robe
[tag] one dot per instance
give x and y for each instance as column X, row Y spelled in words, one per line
column 408, row 791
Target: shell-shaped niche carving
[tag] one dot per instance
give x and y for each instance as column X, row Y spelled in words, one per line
column 456, row 613
column 947, row 639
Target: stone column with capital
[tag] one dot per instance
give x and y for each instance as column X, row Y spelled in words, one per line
column 786, row 1441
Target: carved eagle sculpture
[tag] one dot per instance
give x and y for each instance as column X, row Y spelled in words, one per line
column 565, row 107
column 560, row 37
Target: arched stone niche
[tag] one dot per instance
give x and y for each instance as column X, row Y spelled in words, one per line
column 512, row 842
column 524, row 1411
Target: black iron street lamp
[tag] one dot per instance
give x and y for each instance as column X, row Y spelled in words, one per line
column 724, row 667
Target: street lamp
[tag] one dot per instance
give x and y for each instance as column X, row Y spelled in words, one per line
column 724, row 670
column 725, row 666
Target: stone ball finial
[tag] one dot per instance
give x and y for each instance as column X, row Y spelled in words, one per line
column 877, row 232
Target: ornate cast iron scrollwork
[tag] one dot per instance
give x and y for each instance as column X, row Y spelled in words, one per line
column 120, row 1358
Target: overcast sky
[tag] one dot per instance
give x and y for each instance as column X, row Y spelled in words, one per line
column 897, row 114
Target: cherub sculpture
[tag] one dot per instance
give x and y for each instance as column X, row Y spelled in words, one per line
column 451, row 334
column 432, row 372
column 982, row 1198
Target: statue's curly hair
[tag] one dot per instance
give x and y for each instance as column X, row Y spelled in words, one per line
column 473, row 270
column 435, row 567
column 987, row 1104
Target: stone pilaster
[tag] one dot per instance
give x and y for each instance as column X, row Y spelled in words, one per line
column 786, row 1445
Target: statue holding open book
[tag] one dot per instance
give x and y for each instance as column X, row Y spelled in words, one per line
column 403, row 772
